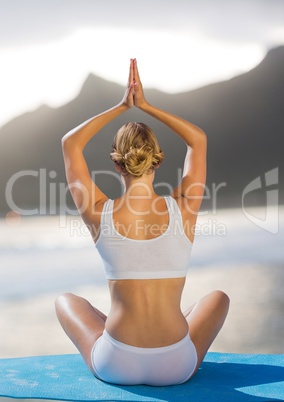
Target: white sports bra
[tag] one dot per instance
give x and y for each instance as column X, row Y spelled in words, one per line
column 165, row 256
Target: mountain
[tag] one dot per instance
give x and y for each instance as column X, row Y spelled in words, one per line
column 242, row 117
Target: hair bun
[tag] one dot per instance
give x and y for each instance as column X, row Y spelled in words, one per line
column 137, row 161
column 136, row 149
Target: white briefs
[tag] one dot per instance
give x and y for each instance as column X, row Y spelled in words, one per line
column 118, row 363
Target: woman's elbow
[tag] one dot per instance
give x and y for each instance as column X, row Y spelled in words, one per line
column 63, row 144
column 202, row 135
column 202, row 140
column 66, row 141
column 199, row 140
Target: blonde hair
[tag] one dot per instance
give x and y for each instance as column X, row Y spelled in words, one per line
column 136, row 150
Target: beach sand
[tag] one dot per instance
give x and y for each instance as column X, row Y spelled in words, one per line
column 255, row 323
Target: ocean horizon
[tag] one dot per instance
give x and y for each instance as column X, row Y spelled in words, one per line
column 43, row 254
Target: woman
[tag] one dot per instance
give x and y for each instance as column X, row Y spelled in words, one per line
column 145, row 242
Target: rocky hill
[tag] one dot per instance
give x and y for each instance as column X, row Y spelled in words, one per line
column 243, row 118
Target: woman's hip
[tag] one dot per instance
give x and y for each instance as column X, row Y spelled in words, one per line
column 120, row 363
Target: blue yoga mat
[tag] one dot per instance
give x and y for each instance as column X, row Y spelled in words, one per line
column 221, row 377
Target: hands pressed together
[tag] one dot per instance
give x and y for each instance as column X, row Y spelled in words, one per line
column 134, row 94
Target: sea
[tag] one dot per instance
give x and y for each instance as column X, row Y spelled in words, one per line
column 54, row 254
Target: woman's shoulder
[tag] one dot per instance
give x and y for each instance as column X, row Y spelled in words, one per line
column 94, row 215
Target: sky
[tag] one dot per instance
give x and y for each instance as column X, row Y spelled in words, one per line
column 48, row 48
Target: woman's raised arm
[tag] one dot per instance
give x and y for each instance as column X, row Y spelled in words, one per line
column 84, row 191
column 191, row 187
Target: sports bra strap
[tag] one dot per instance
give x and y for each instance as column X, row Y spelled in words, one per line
column 107, row 212
column 172, row 205
column 106, row 216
